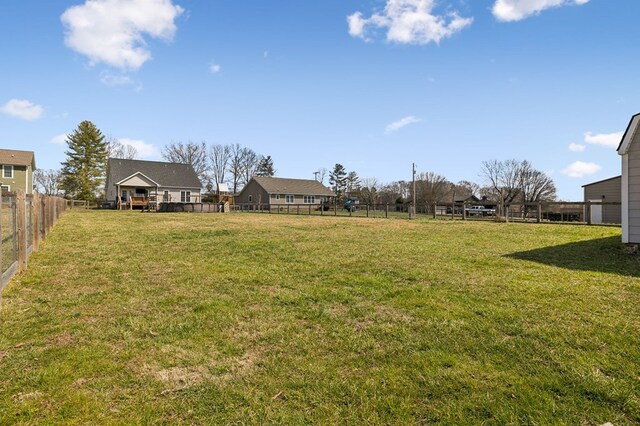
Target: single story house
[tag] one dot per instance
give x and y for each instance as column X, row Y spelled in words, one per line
column 17, row 170
column 629, row 150
column 607, row 191
column 265, row 190
column 138, row 183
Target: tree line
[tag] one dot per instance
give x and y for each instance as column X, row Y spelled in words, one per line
column 503, row 182
column 83, row 174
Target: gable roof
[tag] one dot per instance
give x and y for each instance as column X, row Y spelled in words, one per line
column 629, row 134
column 274, row 185
column 169, row 175
column 17, row 158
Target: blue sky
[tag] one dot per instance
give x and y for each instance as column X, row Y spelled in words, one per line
column 372, row 84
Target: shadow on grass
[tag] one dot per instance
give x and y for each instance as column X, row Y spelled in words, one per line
column 606, row 255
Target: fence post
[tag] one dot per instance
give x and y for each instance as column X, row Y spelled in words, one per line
column 539, row 211
column 335, row 208
column 34, row 218
column 386, row 211
column 464, row 211
column 506, row 213
column 588, row 212
column 367, row 210
column 21, row 208
column 1, row 233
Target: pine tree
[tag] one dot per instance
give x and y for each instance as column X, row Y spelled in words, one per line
column 338, row 180
column 265, row 167
column 84, row 170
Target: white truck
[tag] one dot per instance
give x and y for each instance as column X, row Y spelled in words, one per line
column 480, row 211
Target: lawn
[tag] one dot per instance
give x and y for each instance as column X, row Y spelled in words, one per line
column 130, row 318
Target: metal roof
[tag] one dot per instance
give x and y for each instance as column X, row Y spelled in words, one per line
column 170, row 175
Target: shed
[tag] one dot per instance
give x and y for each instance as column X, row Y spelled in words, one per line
column 604, row 191
column 629, row 150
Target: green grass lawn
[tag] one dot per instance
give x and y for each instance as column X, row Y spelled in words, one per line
column 130, row 318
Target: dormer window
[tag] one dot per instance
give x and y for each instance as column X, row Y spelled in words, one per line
column 7, row 171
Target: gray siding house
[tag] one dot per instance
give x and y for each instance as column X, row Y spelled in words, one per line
column 132, row 183
column 608, row 191
column 629, row 149
column 271, row 190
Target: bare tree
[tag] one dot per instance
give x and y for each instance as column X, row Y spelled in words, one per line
column 514, row 181
column 322, row 174
column 235, row 166
column 467, row 188
column 189, row 153
column 47, row 181
column 117, row 149
column 536, row 185
column 504, row 178
column 219, row 157
column 431, row 187
column 369, row 190
column 250, row 162
column 394, row 192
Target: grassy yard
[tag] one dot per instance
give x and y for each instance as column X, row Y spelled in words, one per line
column 130, row 318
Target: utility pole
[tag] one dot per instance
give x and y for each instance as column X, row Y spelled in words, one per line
column 412, row 213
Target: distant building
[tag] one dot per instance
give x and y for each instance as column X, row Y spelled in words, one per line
column 265, row 190
column 133, row 183
column 629, row 149
column 608, row 191
column 17, row 169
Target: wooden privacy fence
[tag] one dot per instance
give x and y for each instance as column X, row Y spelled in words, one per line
column 24, row 221
column 590, row 212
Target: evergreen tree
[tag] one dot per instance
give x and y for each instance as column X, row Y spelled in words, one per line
column 265, row 167
column 338, row 180
column 84, row 170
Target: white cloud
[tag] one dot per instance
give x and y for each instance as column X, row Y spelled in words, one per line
column 145, row 150
column 265, row 54
column 112, row 31
column 60, row 139
column 397, row 125
column 576, row 147
column 110, row 79
column 608, row 140
column 409, row 22
column 516, row 10
column 21, row 108
column 215, row 68
column 581, row 169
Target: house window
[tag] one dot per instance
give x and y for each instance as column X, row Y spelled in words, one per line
column 289, row 199
column 5, row 188
column 185, row 196
column 123, row 196
column 166, row 197
column 251, row 198
column 277, row 196
column 309, row 199
column 7, row 171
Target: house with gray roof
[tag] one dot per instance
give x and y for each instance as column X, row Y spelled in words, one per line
column 265, row 190
column 16, row 170
column 145, row 184
column 629, row 150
